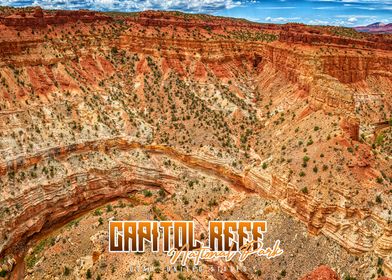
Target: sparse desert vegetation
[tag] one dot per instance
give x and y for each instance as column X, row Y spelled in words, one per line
column 170, row 116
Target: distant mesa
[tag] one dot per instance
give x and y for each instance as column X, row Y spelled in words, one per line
column 377, row 27
column 38, row 17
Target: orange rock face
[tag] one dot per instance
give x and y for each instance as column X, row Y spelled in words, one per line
column 38, row 18
column 95, row 107
column 322, row 273
column 351, row 127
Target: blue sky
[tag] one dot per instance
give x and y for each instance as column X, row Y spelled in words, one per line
column 333, row 12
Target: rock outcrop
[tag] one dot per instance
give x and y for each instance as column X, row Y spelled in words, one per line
column 39, row 19
column 94, row 106
column 321, row 273
column 351, row 127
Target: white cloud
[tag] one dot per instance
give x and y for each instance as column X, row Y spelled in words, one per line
column 281, row 19
column 318, row 22
column 355, row 16
column 105, row 2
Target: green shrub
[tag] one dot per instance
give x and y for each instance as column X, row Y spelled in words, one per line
column 147, row 193
column 88, row 274
column 66, row 271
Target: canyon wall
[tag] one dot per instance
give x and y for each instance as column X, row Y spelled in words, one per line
column 86, row 85
column 42, row 206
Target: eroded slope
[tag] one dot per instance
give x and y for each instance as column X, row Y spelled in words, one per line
column 295, row 114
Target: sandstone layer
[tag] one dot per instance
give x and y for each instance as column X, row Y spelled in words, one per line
column 90, row 103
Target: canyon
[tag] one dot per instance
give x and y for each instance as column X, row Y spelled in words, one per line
column 193, row 117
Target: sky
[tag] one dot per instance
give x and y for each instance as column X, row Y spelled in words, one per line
column 315, row 12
